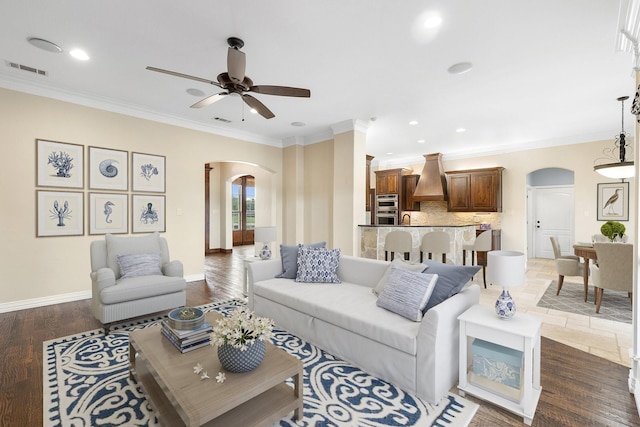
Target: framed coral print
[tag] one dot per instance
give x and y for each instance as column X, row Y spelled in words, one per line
column 59, row 213
column 59, row 164
column 108, row 169
column 147, row 213
column 148, row 173
column 108, row 213
column 613, row 201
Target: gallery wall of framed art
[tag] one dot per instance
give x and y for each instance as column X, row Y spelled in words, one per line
column 113, row 178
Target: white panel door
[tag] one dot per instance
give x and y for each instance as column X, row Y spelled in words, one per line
column 553, row 216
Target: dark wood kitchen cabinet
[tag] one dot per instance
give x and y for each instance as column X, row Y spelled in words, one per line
column 475, row 190
column 388, row 181
column 409, row 183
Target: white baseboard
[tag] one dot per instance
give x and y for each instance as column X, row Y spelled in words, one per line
column 62, row 298
column 194, row 277
column 40, row 302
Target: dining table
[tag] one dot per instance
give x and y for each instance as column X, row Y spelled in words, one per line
column 587, row 252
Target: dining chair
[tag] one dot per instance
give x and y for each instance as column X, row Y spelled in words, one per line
column 435, row 242
column 483, row 243
column 614, row 270
column 567, row 265
column 398, row 241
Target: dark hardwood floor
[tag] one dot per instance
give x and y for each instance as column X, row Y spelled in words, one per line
column 579, row 389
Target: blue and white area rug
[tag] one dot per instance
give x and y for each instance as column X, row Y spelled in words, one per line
column 86, row 383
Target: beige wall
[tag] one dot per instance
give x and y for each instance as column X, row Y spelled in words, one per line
column 301, row 181
column 318, row 191
column 43, row 267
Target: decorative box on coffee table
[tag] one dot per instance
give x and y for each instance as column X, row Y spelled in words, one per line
column 500, row 341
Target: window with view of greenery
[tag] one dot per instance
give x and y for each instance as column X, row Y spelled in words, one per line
column 243, row 189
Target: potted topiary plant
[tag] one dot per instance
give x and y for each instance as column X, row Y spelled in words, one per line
column 613, row 230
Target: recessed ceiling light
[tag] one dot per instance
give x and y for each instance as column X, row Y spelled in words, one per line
column 44, row 45
column 460, row 68
column 433, row 21
column 253, row 110
column 298, row 124
column 413, row 122
column 421, row 141
column 460, row 130
column 389, row 154
column 195, row 92
column 79, row 54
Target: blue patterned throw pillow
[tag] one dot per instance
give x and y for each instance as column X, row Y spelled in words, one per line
column 318, row 265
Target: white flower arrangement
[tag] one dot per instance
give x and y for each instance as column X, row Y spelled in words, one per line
column 241, row 329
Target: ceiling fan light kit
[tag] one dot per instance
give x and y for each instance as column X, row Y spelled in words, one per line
column 235, row 82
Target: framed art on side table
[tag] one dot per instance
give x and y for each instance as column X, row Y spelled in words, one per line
column 59, row 213
column 59, row 164
column 108, row 213
column 147, row 213
column 613, row 201
column 148, row 173
column 108, row 169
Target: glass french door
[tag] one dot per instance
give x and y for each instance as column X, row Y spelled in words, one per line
column 243, row 215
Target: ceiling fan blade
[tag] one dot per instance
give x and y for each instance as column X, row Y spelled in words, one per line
column 209, row 100
column 258, row 106
column 236, row 64
column 281, row 91
column 184, row 76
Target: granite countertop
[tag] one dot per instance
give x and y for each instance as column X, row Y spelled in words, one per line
column 422, row 225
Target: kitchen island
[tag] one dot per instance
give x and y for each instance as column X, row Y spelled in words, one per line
column 372, row 239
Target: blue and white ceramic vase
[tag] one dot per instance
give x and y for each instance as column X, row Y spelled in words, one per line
column 265, row 252
column 235, row 360
column 505, row 305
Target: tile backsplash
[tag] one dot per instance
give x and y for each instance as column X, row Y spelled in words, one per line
column 435, row 213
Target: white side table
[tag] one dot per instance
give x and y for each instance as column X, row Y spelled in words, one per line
column 522, row 333
column 245, row 284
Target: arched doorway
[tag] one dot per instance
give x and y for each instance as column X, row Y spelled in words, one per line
column 243, row 209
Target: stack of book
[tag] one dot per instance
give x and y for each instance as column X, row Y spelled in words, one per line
column 186, row 340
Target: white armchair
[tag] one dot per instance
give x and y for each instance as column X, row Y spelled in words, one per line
column 567, row 265
column 133, row 276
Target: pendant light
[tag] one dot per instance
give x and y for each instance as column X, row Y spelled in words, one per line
column 614, row 167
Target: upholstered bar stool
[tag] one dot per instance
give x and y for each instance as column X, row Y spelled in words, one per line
column 435, row 242
column 397, row 241
column 481, row 244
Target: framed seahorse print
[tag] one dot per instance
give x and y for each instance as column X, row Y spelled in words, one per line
column 108, row 213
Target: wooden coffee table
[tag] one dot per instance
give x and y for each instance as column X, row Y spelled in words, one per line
column 256, row 398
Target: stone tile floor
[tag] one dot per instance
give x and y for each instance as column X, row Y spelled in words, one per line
column 605, row 338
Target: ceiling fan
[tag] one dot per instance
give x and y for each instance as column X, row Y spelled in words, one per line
column 235, row 81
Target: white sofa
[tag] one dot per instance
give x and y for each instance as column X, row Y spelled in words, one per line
column 419, row 357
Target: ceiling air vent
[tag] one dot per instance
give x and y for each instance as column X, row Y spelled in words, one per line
column 220, row 119
column 26, row 68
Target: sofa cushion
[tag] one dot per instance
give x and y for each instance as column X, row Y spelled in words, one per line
column 399, row 263
column 289, row 256
column 406, row 293
column 318, row 265
column 135, row 265
column 451, row 279
column 348, row 306
column 119, row 245
column 141, row 287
